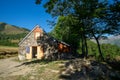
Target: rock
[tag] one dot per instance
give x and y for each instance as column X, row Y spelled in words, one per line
column 91, row 70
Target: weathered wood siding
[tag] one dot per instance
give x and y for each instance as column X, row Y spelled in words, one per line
column 63, row 48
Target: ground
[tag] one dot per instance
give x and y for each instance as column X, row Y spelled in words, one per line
column 13, row 69
column 74, row 69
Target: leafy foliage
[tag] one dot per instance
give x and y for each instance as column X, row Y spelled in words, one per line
column 65, row 31
column 93, row 17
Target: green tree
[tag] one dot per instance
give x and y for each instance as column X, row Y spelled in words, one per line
column 107, row 24
column 86, row 12
column 65, row 31
column 83, row 10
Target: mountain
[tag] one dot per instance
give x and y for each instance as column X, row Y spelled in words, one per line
column 11, row 29
column 10, row 35
column 114, row 40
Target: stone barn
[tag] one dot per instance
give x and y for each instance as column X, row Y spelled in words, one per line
column 38, row 44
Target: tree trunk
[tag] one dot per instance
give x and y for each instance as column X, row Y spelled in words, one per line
column 86, row 47
column 99, row 48
column 83, row 45
column 98, row 44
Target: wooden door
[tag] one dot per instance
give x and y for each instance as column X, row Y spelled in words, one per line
column 34, row 52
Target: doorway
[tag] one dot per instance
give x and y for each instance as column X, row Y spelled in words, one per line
column 34, row 52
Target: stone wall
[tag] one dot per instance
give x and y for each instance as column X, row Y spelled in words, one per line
column 51, row 48
column 29, row 41
column 49, row 45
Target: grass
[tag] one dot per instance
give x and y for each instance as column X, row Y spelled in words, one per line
column 6, row 51
column 41, row 71
column 50, row 71
column 8, row 48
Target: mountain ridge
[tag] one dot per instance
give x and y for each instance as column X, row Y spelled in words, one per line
column 114, row 40
column 11, row 29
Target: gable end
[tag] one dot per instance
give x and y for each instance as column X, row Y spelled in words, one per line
column 36, row 28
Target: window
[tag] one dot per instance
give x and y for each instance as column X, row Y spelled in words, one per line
column 37, row 35
column 27, row 49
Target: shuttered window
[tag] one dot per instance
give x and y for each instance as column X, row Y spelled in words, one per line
column 27, row 49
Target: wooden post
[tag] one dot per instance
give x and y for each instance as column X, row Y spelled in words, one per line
column 39, row 52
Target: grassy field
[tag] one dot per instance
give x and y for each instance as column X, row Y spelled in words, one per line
column 7, row 48
column 6, row 51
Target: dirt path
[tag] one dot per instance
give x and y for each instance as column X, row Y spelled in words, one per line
column 11, row 67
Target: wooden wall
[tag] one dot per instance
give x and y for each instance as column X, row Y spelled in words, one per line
column 63, row 48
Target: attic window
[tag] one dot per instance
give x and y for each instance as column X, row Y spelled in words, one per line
column 37, row 35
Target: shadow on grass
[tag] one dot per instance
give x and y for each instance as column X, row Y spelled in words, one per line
column 115, row 65
column 77, row 75
column 43, row 61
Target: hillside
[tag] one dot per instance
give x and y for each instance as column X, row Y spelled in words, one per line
column 10, row 35
column 11, row 29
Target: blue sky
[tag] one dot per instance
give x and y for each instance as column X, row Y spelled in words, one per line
column 24, row 13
